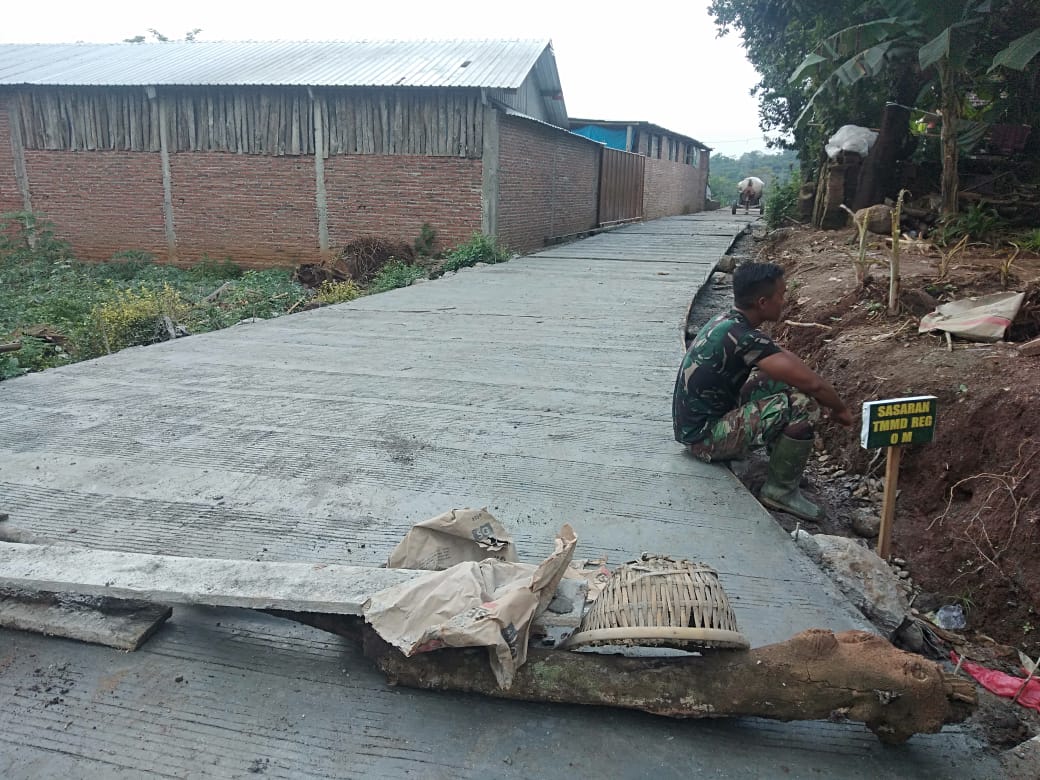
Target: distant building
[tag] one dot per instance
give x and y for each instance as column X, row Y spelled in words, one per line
column 279, row 153
column 677, row 165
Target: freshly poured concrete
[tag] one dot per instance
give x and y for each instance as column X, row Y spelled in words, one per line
column 539, row 388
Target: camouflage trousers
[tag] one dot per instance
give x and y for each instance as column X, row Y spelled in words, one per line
column 767, row 407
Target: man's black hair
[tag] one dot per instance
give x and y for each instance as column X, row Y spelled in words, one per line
column 752, row 281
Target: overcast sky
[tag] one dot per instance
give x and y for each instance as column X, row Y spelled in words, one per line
column 656, row 61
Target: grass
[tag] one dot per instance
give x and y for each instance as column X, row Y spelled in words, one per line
column 62, row 310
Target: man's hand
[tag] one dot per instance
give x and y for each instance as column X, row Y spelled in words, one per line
column 844, row 417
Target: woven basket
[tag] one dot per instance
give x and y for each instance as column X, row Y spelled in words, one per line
column 659, row 602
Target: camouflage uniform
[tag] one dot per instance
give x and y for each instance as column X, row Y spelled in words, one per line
column 716, row 411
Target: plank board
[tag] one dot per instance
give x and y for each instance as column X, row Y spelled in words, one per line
column 215, row 582
column 119, row 623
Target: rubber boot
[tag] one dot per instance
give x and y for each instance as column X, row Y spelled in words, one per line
column 786, row 465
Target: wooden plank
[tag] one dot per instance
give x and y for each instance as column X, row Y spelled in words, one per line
column 21, row 172
column 118, row 623
column 166, row 579
column 299, row 587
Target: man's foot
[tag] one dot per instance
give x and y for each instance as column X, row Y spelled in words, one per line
column 793, row 503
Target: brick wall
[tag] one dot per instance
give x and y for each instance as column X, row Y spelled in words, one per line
column 100, row 202
column 257, row 211
column 671, row 188
column 548, row 183
column 10, row 197
column 391, row 196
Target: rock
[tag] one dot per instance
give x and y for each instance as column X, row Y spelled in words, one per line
column 903, row 574
column 878, row 219
column 866, row 524
column 1020, row 762
column 901, row 562
column 807, row 543
column 865, row 579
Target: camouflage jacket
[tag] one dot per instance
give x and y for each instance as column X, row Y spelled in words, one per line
column 714, row 369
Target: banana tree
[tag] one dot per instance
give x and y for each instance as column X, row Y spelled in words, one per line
column 923, row 35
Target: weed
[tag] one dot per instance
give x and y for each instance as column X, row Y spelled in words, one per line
column 479, row 249
column 338, row 292
column 782, row 203
column 210, row 269
column 1031, row 240
column 945, row 258
column 423, row 245
column 861, row 261
column 25, row 234
column 978, row 223
column 133, row 317
column 1006, row 263
column 393, row 275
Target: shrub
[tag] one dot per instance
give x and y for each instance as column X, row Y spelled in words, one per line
column 1031, row 240
column 30, row 235
column 207, row 268
column 134, row 317
column 337, row 292
column 782, row 203
column 979, row 223
column 423, row 245
column 393, row 275
column 479, row 249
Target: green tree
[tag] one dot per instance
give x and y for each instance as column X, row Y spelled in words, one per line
column 913, row 39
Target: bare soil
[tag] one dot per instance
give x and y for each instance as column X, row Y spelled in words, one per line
column 967, row 524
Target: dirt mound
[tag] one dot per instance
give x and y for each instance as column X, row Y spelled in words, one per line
column 968, row 513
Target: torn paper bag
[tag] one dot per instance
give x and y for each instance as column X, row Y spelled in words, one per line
column 487, row 604
column 453, row 537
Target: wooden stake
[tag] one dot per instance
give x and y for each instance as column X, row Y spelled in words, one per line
column 888, row 510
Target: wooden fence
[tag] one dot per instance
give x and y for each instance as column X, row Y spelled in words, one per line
column 620, row 186
column 253, row 120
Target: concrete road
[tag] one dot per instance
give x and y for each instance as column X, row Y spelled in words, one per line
column 539, row 388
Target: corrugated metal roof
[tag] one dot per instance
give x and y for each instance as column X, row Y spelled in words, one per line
column 490, row 64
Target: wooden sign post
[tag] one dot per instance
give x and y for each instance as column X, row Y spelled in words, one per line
column 895, row 423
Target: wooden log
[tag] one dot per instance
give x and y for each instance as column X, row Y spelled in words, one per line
column 13, row 346
column 815, row 675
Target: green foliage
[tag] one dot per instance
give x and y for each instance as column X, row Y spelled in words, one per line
column 207, row 268
column 980, row 223
column 338, row 292
column 727, row 171
column 395, row 274
column 35, row 355
column 132, row 317
column 1031, row 240
column 425, row 241
column 782, row 204
column 479, row 249
column 24, row 234
column 845, row 59
column 102, row 307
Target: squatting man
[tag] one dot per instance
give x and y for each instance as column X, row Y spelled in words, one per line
column 737, row 390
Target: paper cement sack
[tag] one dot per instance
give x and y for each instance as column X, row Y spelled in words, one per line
column 490, row 604
column 980, row 318
column 451, row 538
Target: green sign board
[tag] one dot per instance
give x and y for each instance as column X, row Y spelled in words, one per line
column 898, row 422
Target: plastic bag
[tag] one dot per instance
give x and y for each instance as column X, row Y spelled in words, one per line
column 851, row 138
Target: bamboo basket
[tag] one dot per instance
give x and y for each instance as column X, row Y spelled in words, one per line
column 660, row 602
